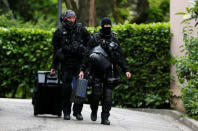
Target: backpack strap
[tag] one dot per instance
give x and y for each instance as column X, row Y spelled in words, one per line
column 79, row 27
column 96, row 37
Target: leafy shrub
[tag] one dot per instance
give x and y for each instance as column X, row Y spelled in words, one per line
column 158, row 11
column 187, row 66
column 22, row 53
column 147, row 50
column 43, row 23
column 187, row 71
column 146, row 47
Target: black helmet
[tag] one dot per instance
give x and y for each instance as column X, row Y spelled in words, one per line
column 69, row 13
column 99, row 60
column 66, row 23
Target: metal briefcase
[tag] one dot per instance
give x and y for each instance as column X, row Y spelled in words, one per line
column 79, row 90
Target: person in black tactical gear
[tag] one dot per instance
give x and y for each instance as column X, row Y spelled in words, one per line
column 69, row 43
column 105, row 57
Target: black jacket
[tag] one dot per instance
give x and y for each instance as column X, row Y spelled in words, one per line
column 70, row 44
column 116, row 58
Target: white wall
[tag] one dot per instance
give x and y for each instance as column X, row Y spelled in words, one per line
column 177, row 40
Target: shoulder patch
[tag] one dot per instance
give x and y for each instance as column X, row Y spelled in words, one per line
column 79, row 27
column 96, row 37
column 114, row 34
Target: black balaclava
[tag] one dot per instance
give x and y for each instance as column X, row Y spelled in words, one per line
column 106, row 31
column 66, row 23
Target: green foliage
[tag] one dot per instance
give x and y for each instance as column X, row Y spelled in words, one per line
column 7, row 22
column 22, row 53
column 187, row 66
column 32, row 10
column 187, row 71
column 146, row 47
column 158, row 11
column 42, row 23
column 190, row 98
column 191, row 12
column 147, row 50
column 149, row 11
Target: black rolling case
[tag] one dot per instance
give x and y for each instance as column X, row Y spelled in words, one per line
column 47, row 94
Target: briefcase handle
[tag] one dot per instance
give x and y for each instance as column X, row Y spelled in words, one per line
column 48, row 76
column 51, row 77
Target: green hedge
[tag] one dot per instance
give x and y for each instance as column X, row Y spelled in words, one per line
column 22, row 53
column 146, row 47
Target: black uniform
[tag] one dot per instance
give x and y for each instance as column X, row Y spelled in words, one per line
column 69, row 45
column 104, row 79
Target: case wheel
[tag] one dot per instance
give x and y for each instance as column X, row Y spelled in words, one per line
column 59, row 115
column 35, row 113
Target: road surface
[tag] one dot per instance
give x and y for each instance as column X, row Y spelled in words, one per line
column 17, row 115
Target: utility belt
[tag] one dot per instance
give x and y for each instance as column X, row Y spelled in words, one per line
column 75, row 62
column 110, row 78
column 113, row 80
column 113, row 76
column 102, row 67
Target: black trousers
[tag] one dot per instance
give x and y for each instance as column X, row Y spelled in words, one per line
column 67, row 77
column 103, row 92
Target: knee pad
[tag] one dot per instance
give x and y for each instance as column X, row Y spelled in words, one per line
column 66, row 85
column 107, row 95
column 97, row 91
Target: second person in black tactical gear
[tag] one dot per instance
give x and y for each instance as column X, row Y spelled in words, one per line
column 69, row 43
column 105, row 57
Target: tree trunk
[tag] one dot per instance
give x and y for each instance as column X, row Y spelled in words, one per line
column 142, row 11
column 115, row 12
column 5, row 6
column 92, row 13
column 15, row 90
column 24, row 92
column 71, row 5
column 68, row 4
column 83, row 14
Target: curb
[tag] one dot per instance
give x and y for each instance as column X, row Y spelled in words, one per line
column 191, row 123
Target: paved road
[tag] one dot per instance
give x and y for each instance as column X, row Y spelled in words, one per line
column 17, row 115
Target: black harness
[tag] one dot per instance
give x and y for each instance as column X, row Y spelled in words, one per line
column 73, row 35
column 107, row 59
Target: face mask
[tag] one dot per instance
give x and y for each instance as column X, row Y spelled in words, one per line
column 106, row 30
column 68, row 24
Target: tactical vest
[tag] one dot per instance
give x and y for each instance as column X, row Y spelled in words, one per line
column 67, row 38
column 73, row 35
column 111, row 47
column 105, row 65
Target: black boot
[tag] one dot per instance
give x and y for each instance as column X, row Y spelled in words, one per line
column 105, row 121
column 78, row 116
column 66, row 117
column 93, row 116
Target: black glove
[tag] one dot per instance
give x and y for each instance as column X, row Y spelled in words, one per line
column 82, row 48
column 104, row 43
column 66, row 49
column 75, row 45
